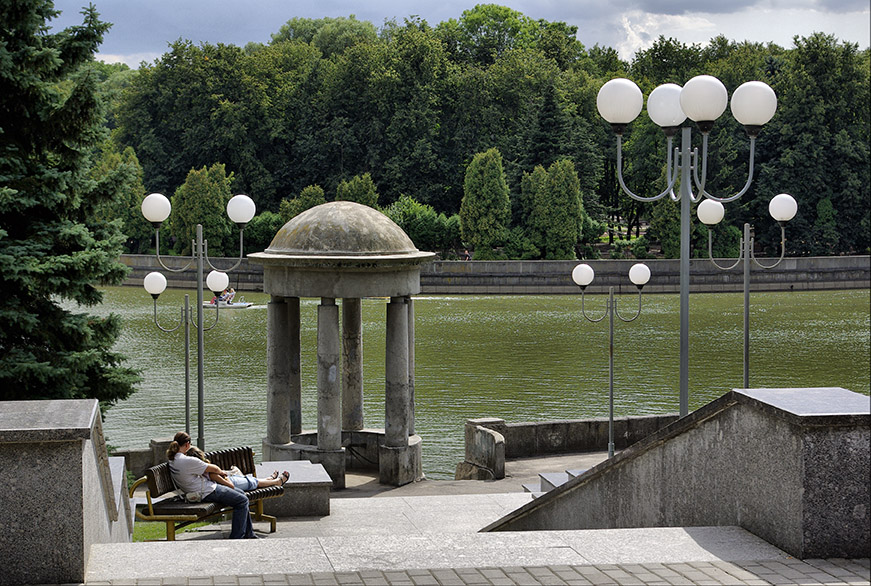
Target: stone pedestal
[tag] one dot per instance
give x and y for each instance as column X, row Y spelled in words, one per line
column 400, row 465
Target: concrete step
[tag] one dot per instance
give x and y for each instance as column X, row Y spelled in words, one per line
column 533, row 487
column 576, row 473
column 551, row 480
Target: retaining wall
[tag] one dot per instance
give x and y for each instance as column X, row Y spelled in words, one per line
column 490, row 441
column 789, row 465
column 543, row 277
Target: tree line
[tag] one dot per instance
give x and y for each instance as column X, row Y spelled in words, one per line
column 410, row 106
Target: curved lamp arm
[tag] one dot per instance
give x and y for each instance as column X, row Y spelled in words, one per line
column 238, row 261
column 671, row 173
column 584, row 312
column 637, row 311
column 700, row 185
column 163, row 329
column 711, row 253
column 782, row 250
column 157, row 250
column 206, row 329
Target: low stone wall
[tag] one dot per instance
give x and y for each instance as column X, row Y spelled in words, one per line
column 543, row 277
column 789, row 465
column 490, row 441
column 62, row 492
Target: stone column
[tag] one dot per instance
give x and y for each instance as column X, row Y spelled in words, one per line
column 329, row 392
column 352, row 364
column 410, row 303
column 278, row 387
column 396, row 374
column 293, row 358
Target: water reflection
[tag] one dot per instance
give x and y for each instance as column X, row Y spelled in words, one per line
column 520, row 358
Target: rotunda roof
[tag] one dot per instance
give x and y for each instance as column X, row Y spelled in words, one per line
column 341, row 228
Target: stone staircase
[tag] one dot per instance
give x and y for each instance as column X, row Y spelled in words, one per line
column 550, row 480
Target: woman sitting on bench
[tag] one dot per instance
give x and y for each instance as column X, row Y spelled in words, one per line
column 191, row 476
column 233, row 478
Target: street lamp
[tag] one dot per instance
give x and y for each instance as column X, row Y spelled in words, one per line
column 702, row 99
column 583, row 275
column 782, row 208
column 156, row 209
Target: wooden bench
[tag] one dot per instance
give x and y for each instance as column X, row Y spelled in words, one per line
column 176, row 513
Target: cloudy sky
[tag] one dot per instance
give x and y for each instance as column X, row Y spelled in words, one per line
column 142, row 29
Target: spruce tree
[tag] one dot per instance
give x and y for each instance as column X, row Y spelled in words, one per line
column 54, row 248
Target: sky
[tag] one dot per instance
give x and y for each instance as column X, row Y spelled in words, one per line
column 143, row 29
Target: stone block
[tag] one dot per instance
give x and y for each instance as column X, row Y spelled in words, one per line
column 306, row 493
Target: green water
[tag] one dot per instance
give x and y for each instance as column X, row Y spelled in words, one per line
column 519, row 358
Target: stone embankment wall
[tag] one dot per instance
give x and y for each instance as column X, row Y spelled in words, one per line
column 543, row 277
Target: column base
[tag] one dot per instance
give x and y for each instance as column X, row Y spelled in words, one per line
column 400, row 465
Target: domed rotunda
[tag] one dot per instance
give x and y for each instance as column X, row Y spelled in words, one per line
column 348, row 251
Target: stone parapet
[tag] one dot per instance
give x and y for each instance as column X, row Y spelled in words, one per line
column 541, row 277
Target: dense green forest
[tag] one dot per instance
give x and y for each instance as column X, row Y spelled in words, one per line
column 489, row 114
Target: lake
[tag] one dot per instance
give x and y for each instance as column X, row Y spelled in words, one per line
column 521, row 358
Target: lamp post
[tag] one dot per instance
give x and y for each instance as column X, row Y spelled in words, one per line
column 156, row 209
column 702, row 99
column 583, row 275
column 782, row 208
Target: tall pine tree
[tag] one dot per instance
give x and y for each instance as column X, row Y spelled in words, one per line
column 54, row 249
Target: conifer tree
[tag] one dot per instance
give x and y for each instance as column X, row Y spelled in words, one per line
column 486, row 208
column 54, row 248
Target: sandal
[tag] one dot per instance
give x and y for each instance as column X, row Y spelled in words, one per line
column 274, row 475
column 285, row 476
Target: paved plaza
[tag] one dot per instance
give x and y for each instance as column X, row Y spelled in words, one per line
column 426, row 533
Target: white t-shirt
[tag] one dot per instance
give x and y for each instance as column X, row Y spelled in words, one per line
column 189, row 474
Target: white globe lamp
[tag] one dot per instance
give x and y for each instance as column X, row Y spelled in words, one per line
column 639, row 274
column 217, row 281
column 703, row 99
column 753, row 105
column 619, row 102
column 154, row 283
column 156, row 208
column 710, row 212
column 663, row 106
column 241, row 209
column 583, row 275
column 782, row 207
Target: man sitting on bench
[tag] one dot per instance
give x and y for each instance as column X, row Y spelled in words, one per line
column 191, row 476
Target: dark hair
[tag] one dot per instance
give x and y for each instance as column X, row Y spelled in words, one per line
column 195, row 452
column 180, row 439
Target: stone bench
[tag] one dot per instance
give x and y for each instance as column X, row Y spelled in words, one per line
column 306, row 493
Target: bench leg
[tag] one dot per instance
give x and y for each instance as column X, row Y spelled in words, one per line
column 170, row 530
column 259, row 515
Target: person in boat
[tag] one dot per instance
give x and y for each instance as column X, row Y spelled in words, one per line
column 231, row 293
column 233, row 478
column 191, row 475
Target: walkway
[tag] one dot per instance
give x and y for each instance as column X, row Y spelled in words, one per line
column 426, row 534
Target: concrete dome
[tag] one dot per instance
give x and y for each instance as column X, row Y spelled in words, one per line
column 341, row 228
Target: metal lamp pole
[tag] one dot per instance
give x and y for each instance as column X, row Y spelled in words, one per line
column 156, row 208
column 782, row 208
column 702, row 99
column 583, row 275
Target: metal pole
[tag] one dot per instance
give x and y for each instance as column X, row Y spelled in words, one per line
column 611, row 373
column 685, row 213
column 187, row 364
column 747, row 252
column 201, row 441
